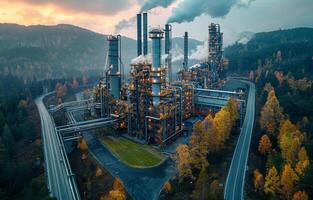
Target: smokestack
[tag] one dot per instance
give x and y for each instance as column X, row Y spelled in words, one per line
column 113, row 63
column 139, row 35
column 145, row 34
column 186, row 51
column 168, row 47
column 156, row 35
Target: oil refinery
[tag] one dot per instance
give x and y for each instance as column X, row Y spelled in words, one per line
column 150, row 106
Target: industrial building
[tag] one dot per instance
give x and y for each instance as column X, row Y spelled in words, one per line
column 151, row 106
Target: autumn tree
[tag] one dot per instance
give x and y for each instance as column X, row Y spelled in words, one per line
column 290, row 139
column 271, row 113
column 116, row 195
column 232, row 108
column 272, row 182
column 198, row 146
column 288, row 179
column 117, row 192
column 82, row 145
column 303, row 161
column 300, row 195
column 264, row 144
column 222, row 125
column 258, row 180
column 183, row 161
column 99, row 171
column 167, row 187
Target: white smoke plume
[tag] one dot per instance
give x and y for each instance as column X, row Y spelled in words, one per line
column 150, row 4
column 200, row 53
column 188, row 10
column 177, row 54
column 123, row 24
column 142, row 59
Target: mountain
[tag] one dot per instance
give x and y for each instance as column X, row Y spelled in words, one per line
column 60, row 51
column 294, row 46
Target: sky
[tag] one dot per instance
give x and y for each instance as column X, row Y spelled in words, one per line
column 117, row 16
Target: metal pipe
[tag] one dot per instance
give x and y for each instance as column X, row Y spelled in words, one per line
column 114, row 64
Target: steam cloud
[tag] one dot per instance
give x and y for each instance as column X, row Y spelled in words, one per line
column 123, row 24
column 188, row 10
column 150, row 4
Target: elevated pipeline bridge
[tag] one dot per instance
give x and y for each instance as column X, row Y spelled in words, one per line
column 215, row 98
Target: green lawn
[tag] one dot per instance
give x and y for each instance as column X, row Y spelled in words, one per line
column 131, row 153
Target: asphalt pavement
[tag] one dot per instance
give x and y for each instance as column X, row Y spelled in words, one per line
column 234, row 185
column 59, row 183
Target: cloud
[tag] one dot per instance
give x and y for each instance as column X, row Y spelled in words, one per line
column 102, row 7
column 188, row 10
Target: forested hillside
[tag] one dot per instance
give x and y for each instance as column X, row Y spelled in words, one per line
column 62, row 51
column 281, row 65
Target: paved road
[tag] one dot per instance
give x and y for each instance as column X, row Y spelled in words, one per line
column 236, row 175
column 59, row 183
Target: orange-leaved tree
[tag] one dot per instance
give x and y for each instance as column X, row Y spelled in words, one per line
column 264, row 144
column 271, row 113
column 288, row 179
column 258, row 180
column 300, row 195
column 183, row 161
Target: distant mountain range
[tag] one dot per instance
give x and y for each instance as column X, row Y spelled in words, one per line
column 61, row 51
column 67, row 51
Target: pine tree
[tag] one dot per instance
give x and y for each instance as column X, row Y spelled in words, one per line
column 271, row 113
column 288, row 179
column 303, row 161
column 232, row 108
column 183, row 161
column 290, row 139
column 272, row 182
column 264, row 144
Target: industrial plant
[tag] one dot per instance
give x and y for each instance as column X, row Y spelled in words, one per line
column 150, row 106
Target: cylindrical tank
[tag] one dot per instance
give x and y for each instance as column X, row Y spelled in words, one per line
column 113, row 62
column 156, row 34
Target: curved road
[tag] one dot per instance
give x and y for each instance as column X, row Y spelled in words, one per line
column 60, row 183
column 236, row 175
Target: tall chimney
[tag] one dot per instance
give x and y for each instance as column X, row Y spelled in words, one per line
column 168, row 47
column 186, row 51
column 113, row 62
column 139, row 35
column 156, row 34
column 145, row 33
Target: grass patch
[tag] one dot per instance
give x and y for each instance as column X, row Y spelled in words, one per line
column 131, row 153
